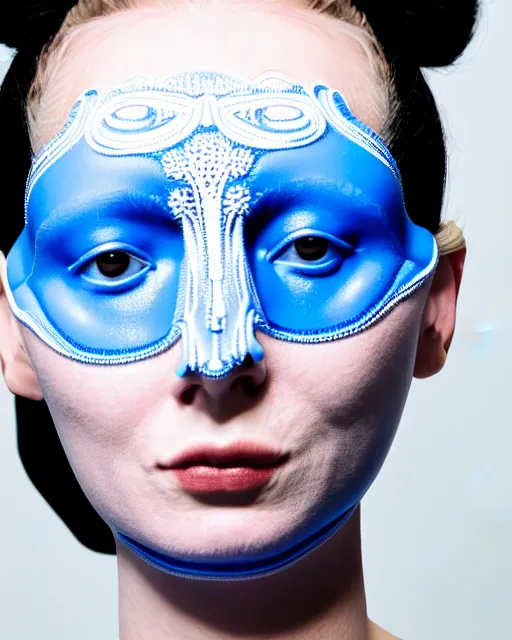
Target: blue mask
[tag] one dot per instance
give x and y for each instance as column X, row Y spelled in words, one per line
column 204, row 208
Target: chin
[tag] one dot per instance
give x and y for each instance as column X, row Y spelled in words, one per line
column 206, row 535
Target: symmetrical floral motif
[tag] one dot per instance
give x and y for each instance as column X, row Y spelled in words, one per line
column 207, row 131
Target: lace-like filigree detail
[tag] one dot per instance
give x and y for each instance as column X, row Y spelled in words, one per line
column 218, row 292
column 207, row 131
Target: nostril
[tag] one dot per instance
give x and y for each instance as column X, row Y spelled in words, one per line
column 248, row 386
column 187, row 397
column 248, row 379
column 251, row 388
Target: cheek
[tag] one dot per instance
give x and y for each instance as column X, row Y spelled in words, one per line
column 354, row 388
column 349, row 372
column 101, row 415
column 97, row 409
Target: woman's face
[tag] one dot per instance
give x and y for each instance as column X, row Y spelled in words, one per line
column 333, row 407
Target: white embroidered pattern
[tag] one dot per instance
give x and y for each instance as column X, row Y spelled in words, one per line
column 207, row 130
column 218, row 296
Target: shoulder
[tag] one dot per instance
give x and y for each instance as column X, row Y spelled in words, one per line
column 377, row 633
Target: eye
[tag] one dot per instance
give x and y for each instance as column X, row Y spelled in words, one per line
column 113, row 267
column 310, row 252
column 311, row 247
column 113, row 263
column 116, row 268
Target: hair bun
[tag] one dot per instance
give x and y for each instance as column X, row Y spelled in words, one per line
column 432, row 32
column 29, row 24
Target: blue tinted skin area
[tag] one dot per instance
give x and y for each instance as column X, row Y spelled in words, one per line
column 205, row 183
column 356, row 204
column 83, row 207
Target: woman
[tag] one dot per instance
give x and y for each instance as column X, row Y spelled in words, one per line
column 227, row 278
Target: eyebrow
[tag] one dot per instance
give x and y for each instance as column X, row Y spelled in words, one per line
column 137, row 206
column 286, row 192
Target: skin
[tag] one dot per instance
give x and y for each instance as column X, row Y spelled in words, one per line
column 116, row 429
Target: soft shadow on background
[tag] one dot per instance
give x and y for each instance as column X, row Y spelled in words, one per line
column 437, row 523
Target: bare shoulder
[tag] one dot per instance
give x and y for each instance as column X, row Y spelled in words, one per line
column 377, row 633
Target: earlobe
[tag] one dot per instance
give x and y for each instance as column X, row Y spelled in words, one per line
column 438, row 323
column 17, row 369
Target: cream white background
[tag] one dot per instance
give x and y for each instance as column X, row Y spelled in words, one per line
column 437, row 523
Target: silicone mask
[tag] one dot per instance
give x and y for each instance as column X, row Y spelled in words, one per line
column 202, row 185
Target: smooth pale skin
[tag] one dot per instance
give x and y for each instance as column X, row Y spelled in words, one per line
column 119, row 421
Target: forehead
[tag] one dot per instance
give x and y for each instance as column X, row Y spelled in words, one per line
column 245, row 40
column 198, row 123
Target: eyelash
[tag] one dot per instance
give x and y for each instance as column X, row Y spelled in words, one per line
column 118, row 283
column 311, row 268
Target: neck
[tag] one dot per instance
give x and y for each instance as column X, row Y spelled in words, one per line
column 322, row 596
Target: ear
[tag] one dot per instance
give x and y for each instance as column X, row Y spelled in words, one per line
column 18, row 372
column 438, row 323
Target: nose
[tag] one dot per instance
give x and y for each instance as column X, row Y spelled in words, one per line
column 228, row 394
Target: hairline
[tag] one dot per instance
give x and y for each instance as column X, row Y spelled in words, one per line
column 383, row 99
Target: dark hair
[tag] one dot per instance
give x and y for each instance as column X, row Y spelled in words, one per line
column 413, row 34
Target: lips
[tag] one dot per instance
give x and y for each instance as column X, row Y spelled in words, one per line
column 243, row 454
column 240, row 467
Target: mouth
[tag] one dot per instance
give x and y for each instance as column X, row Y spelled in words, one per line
column 240, row 454
column 240, row 467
